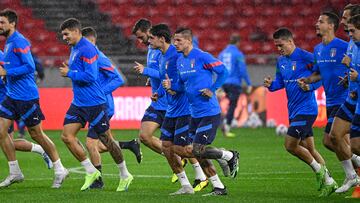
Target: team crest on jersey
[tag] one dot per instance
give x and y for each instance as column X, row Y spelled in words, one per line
column 333, row 52
column 192, row 63
column 6, row 49
column 293, row 66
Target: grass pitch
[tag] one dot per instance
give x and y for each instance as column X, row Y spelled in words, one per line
column 267, row 174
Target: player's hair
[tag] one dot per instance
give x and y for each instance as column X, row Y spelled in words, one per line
column 89, row 32
column 348, row 7
column 332, row 19
column 355, row 10
column 355, row 20
column 234, row 38
column 185, row 31
column 10, row 15
column 71, row 24
column 161, row 30
column 283, row 33
column 143, row 25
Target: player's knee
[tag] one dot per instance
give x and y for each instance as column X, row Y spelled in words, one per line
column 290, row 147
column 197, row 151
column 328, row 143
column 91, row 144
column 66, row 138
column 144, row 138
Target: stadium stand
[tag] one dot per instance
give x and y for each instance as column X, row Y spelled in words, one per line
column 212, row 21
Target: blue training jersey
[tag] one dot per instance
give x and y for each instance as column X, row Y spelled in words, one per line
column 2, row 84
column 152, row 70
column 355, row 64
column 196, row 71
column 178, row 104
column 109, row 80
column 84, row 73
column 20, row 69
column 234, row 61
column 328, row 63
column 288, row 70
column 353, row 86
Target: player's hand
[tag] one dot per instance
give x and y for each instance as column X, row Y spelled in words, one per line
column 2, row 71
column 353, row 74
column 346, row 60
column 155, row 97
column 171, row 92
column 344, row 81
column 139, row 68
column 267, row 81
column 166, row 83
column 249, row 89
column 353, row 95
column 148, row 83
column 64, row 69
column 206, row 93
column 303, row 85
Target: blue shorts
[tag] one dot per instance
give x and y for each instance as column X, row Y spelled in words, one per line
column 330, row 113
column 27, row 111
column 176, row 130
column 203, row 130
column 96, row 116
column 346, row 111
column 301, row 126
column 355, row 127
column 153, row 115
column 91, row 132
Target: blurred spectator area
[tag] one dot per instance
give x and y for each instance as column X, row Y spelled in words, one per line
column 211, row 21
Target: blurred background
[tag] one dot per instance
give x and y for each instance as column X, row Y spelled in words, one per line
column 212, row 21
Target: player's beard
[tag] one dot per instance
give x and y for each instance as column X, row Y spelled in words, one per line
column 5, row 33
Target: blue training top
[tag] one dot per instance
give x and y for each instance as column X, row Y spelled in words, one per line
column 20, row 69
column 84, row 73
column 288, row 70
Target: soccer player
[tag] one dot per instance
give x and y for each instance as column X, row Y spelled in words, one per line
column 291, row 66
column 109, row 79
column 175, row 128
column 22, row 144
column 88, row 104
column 22, row 100
column 234, row 61
column 155, row 113
column 328, row 67
column 352, row 60
column 196, row 69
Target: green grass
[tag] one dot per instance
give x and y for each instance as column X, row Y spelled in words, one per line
column 267, row 174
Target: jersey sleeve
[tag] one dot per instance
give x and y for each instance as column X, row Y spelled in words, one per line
column 89, row 59
column 113, row 77
column 151, row 72
column 278, row 82
column 214, row 65
column 22, row 50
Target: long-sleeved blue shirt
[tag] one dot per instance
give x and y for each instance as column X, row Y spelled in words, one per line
column 234, row 61
column 84, row 73
column 2, row 84
column 196, row 71
column 20, row 69
column 355, row 64
column 109, row 80
column 152, row 70
column 353, row 86
column 178, row 104
column 328, row 63
column 288, row 70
